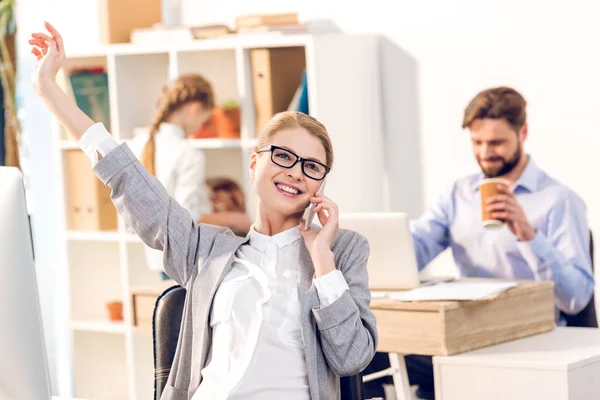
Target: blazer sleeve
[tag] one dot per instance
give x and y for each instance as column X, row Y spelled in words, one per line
column 159, row 220
column 347, row 326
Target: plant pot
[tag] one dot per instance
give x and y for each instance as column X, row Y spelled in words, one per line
column 230, row 128
column 115, row 310
column 223, row 124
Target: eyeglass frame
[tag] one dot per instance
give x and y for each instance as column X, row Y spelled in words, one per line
column 299, row 159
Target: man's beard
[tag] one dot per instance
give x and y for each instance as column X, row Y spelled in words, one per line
column 505, row 168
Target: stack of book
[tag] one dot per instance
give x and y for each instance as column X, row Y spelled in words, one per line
column 282, row 23
column 161, row 33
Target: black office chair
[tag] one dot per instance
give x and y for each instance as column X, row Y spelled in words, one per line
column 587, row 316
column 166, row 322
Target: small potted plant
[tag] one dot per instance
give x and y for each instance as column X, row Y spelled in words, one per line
column 115, row 310
column 230, row 129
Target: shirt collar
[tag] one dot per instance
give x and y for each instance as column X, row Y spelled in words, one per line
column 171, row 130
column 530, row 176
column 260, row 241
column 528, row 180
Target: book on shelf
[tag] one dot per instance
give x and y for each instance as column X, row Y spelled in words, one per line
column 250, row 21
column 303, row 101
column 300, row 100
column 283, row 29
column 88, row 87
column 163, row 34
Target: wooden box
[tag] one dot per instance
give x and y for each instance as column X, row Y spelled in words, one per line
column 143, row 300
column 118, row 18
column 276, row 75
column 88, row 199
column 451, row 327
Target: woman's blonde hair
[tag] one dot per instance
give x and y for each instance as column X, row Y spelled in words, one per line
column 294, row 120
column 186, row 88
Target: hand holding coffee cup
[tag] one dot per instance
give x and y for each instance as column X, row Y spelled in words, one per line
column 499, row 206
column 488, row 188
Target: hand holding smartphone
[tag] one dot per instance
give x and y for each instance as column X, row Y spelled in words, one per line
column 309, row 213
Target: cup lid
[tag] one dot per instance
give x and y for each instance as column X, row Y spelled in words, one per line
column 493, row 180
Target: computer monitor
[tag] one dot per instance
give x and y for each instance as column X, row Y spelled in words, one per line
column 392, row 263
column 23, row 362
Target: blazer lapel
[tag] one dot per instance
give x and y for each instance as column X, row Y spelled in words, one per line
column 209, row 277
column 309, row 299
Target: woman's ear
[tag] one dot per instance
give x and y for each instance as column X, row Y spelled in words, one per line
column 194, row 107
column 252, row 166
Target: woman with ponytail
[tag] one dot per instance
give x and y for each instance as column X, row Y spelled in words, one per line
column 183, row 107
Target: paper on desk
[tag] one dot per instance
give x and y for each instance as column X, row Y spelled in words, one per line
column 379, row 295
column 454, row 291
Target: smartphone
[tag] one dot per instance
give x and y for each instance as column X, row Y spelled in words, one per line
column 309, row 213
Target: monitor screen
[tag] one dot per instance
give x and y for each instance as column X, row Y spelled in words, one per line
column 23, row 363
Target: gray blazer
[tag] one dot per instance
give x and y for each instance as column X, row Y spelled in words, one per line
column 339, row 340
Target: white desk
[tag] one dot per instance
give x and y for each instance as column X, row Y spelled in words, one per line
column 560, row 365
column 64, row 398
column 453, row 327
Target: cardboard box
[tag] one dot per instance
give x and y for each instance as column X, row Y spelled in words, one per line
column 143, row 301
column 89, row 206
column 276, row 75
column 118, row 18
column 451, row 327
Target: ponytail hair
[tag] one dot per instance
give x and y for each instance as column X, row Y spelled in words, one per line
column 185, row 89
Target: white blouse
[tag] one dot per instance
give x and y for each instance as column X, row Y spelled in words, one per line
column 257, row 349
column 180, row 168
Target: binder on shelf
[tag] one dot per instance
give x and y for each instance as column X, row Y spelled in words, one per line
column 276, row 74
column 88, row 199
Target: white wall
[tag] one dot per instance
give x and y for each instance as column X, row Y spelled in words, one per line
column 43, row 202
column 452, row 49
column 447, row 51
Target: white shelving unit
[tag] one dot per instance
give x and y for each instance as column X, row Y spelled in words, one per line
column 344, row 93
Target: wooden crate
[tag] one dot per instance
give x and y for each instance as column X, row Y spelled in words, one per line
column 451, row 327
column 143, row 301
column 118, row 18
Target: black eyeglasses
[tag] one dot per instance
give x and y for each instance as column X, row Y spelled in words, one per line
column 287, row 159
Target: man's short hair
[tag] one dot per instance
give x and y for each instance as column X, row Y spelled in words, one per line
column 497, row 103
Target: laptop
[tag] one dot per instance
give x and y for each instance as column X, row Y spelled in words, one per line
column 392, row 263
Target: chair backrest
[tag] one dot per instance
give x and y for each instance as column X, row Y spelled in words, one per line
column 587, row 316
column 166, row 323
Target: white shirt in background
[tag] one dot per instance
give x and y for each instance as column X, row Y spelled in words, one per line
column 178, row 166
